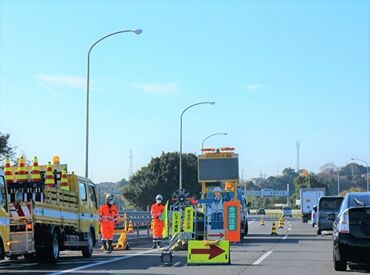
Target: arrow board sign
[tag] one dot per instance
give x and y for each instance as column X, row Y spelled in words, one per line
column 201, row 253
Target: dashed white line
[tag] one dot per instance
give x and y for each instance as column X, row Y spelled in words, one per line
column 285, row 237
column 263, row 257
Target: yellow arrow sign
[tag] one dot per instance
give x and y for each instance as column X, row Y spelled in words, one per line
column 203, row 252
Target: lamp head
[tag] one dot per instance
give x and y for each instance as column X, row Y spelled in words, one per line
column 212, row 103
column 137, row 31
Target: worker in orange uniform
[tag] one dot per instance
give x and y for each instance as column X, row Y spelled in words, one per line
column 108, row 217
column 158, row 224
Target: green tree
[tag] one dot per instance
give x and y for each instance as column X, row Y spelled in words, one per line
column 6, row 151
column 353, row 189
column 161, row 176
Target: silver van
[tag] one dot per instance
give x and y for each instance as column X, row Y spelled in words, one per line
column 327, row 211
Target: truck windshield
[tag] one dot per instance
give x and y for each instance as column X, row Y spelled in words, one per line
column 3, row 202
column 330, row 204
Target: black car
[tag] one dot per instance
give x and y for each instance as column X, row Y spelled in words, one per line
column 261, row 211
column 351, row 232
column 327, row 210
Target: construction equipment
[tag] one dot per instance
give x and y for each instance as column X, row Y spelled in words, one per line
column 122, row 243
column 50, row 211
column 273, row 229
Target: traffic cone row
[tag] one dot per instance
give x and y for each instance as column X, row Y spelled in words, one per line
column 262, row 222
column 64, row 181
column 49, row 176
column 281, row 222
column 35, row 172
column 130, row 227
column 22, row 173
column 273, row 229
column 9, row 178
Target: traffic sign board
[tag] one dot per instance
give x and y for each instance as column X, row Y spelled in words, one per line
column 203, row 252
column 188, row 219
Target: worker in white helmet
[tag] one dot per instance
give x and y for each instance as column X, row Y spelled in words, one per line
column 157, row 222
column 108, row 218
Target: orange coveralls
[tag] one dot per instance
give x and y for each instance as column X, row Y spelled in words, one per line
column 156, row 211
column 108, row 217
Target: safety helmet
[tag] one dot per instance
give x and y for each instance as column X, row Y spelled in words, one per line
column 217, row 189
column 109, row 196
column 159, row 197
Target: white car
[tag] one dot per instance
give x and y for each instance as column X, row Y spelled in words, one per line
column 287, row 211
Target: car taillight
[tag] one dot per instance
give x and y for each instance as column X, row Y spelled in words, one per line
column 344, row 223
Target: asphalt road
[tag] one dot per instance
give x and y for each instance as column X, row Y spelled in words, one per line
column 296, row 250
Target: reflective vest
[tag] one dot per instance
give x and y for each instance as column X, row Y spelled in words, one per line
column 156, row 211
column 108, row 217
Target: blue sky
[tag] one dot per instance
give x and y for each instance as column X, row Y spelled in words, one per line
column 279, row 71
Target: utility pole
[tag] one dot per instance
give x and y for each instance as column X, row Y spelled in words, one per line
column 298, row 144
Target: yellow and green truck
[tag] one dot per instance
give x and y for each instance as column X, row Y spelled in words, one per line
column 51, row 212
column 4, row 219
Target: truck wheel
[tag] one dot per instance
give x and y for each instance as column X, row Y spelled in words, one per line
column 318, row 232
column 2, row 250
column 87, row 251
column 53, row 249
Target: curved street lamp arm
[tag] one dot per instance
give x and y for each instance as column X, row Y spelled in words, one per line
column 215, row 134
column 199, row 103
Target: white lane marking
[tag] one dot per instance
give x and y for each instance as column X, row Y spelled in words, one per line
column 289, row 229
column 103, row 262
column 263, row 257
column 285, row 237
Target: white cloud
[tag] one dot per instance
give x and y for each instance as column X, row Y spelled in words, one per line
column 255, row 87
column 62, row 80
column 165, row 88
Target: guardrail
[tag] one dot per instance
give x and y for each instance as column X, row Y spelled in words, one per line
column 140, row 220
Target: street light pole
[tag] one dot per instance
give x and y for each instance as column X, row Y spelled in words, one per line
column 367, row 172
column 215, row 134
column 337, row 168
column 180, row 157
column 137, row 31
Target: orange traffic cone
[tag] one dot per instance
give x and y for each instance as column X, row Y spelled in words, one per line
column 49, row 176
column 64, row 181
column 9, row 178
column 22, row 175
column 35, row 172
column 130, row 227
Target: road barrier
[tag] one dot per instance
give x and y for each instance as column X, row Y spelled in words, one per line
column 140, row 220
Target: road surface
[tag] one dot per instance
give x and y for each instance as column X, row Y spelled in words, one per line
column 296, row 250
